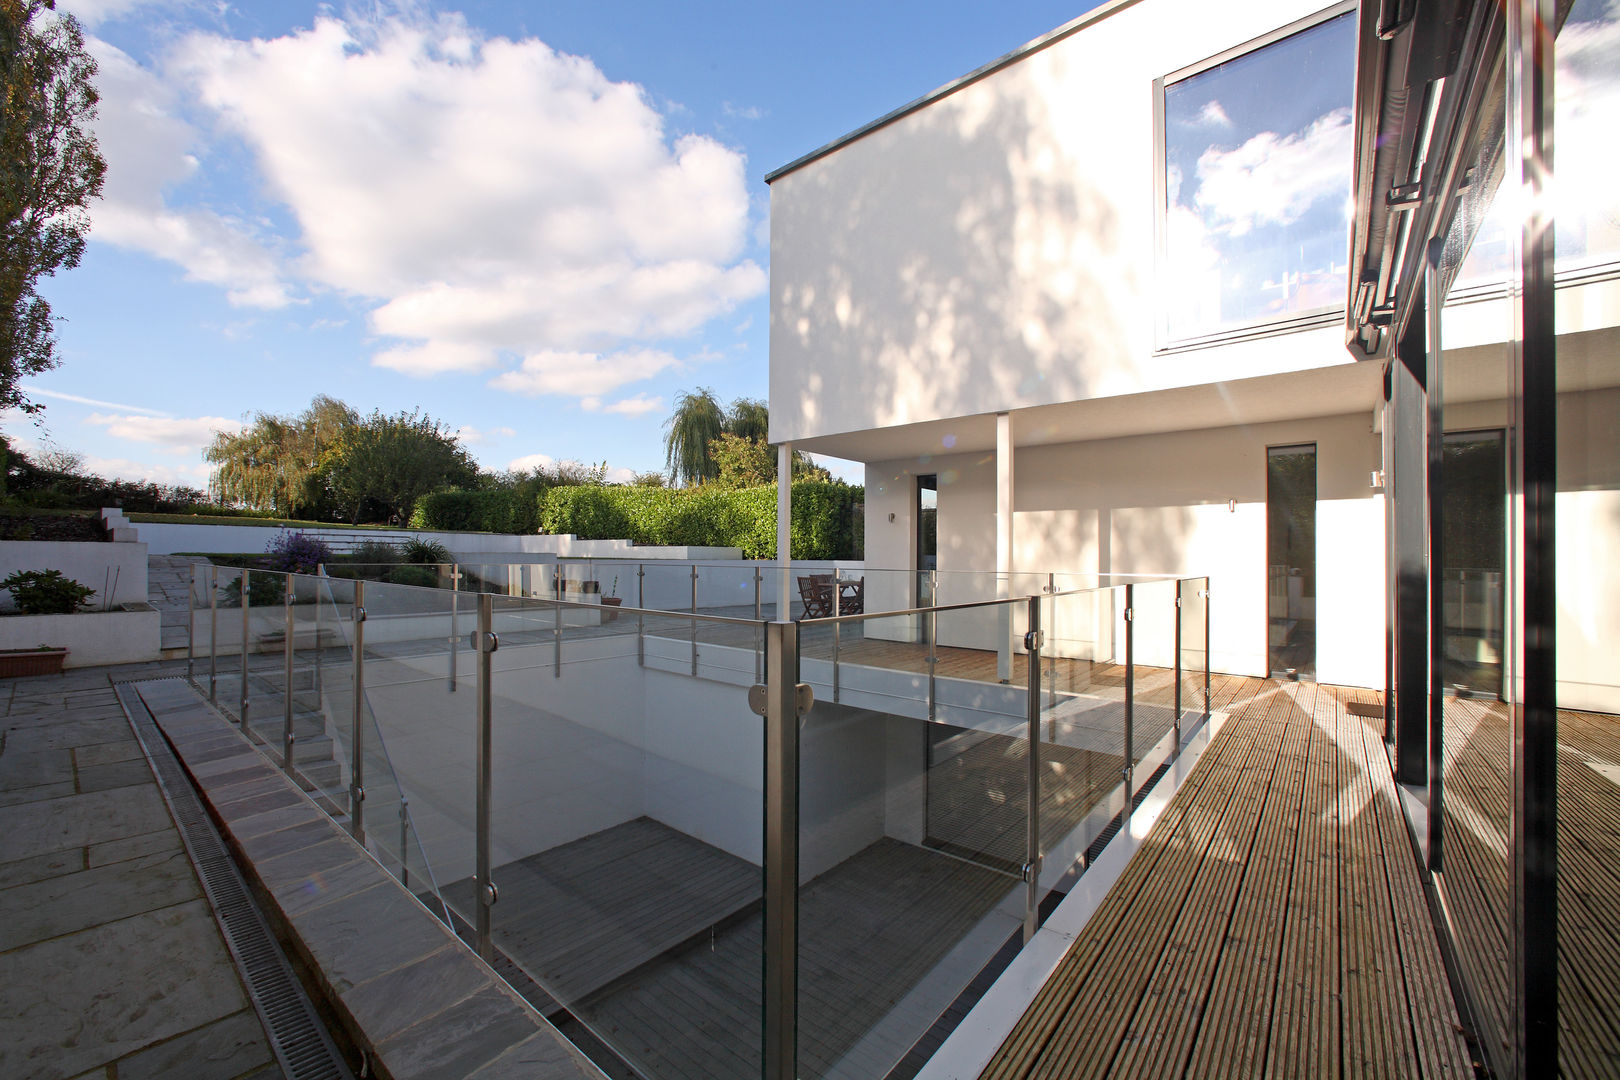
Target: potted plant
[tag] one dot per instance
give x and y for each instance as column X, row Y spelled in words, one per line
column 41, row 592
column 612, row 600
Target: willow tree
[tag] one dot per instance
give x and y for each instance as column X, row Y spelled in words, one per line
column 696, row 421
column 273, row 464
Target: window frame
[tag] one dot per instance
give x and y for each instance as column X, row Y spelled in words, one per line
column 1285, row 324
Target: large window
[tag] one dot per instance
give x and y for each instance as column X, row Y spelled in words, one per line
column 1256, row 183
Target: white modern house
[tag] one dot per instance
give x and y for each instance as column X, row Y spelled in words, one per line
column 1091, row 299
column 1301, row 298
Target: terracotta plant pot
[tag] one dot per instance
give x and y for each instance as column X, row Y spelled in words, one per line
column 611, row 602
column 15, row 663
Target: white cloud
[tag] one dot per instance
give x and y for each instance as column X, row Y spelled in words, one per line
column 150, row 149
column 182, row 435
column 640, row 405
column 126, row 469
column 618, row 475
column 476, row 436
column 35, row 391
column 582, row 374
column 487, row 194
column 742, row 112
column 94, row 12
column 531, row 461
column 1214, row 115
column 1272, row 179
column 434, row 358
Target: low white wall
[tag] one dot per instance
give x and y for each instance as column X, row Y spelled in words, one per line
column 118, row 568
column 167, row 538
column 91, row 638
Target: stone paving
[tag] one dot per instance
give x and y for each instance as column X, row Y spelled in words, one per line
column 168, row 578
column 111, row 963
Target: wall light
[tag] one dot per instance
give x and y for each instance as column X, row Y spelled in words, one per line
column 891, row 515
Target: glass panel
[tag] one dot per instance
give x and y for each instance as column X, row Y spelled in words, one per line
column 1474, row 504
column 1194, row 651
column 1082, row 726
column 1291, row 560
column 1153, row 707
column 1587, row 512
column 1475, row 861
column 912, row 832
column 1257, row 155
column 628, row 823
column 226, row 635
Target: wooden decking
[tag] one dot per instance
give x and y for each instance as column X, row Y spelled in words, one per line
column 1474, row 874
column 1273, row 923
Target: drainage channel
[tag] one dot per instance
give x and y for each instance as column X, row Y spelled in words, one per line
column 299, row 1039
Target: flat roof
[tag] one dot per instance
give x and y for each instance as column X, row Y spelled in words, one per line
column 1101, row 11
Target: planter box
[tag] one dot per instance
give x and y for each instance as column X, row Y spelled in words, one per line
column 16, row 663
column 91, row 638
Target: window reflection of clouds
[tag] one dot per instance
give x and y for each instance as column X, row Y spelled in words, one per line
column 1586, row 116
column 1257, row 174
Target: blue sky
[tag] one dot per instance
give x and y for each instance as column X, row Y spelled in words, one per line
column 539, row 222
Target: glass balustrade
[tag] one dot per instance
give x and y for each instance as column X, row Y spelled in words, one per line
column 586, row 790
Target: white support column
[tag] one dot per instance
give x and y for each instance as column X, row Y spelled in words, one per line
column 1004, row 542
column 784, row 531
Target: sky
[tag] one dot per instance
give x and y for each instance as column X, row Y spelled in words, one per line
column 537, row 222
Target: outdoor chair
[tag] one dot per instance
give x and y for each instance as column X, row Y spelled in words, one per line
column 816, row 592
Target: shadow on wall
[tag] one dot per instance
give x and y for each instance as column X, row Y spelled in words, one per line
column 943, row 266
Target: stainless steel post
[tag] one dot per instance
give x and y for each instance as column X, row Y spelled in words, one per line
column 357, row 730
column 694, row 621
column 933, row 659
column 242, row 714
column 1130, row 694
column 556, row 632
column 486, row 644
column 287, row 734
column 1051, row 657
column 191, row 622
column 641, row 623
column 759, row 643
column 1206, row 648
column 455, row 643
column 1176, row 720
column 404, row 843
column 781, row 909
column 213, row 635
column 838, row 610
column 1033, row 641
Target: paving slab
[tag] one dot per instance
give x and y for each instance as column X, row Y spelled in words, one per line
column 69, row 903
column 77, row 820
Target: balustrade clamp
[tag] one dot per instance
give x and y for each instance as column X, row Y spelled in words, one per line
column 1034, row 640
column 491, row 894
column 1130, row 614
column 490, row 643
column 758, row 698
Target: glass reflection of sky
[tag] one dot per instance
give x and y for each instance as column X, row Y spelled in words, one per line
column 1586, row 117
column 1257, row 163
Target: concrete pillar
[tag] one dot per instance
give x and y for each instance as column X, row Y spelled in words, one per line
column 1004, row 542
column 784, row 531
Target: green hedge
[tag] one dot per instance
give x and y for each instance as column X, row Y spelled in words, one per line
column 498, row 511
column 826, row 517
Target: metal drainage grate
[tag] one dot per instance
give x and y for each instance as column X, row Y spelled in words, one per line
column 299, row 1039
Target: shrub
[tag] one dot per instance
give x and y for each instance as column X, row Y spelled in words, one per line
column 46, row 592
column 426, row 577
column 264, row 590
column 374, row 551
column 417, row 550
column 823, row 527
column 296, row 553
column 511, row 509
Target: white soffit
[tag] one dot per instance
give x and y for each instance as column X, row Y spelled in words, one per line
column 1332, row 391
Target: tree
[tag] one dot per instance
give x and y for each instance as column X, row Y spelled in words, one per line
column 741, row 463
column 749, row 419
column 380, row 466
column 273, row 464
column 50, row 169
column 696, row 421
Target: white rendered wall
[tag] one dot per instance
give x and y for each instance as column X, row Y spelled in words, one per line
column 116, row 568
column 994, row 249
column 1159, row 504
